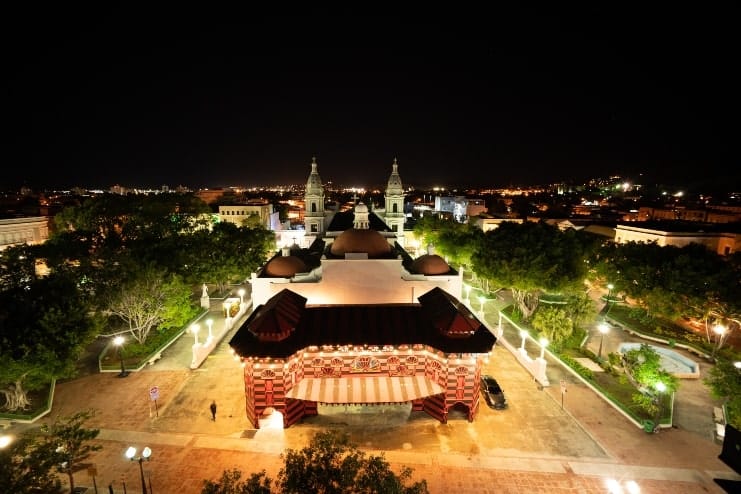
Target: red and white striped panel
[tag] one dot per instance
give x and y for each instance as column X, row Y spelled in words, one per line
column 364, row 389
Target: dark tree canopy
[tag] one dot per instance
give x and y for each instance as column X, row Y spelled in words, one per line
column 531, row 258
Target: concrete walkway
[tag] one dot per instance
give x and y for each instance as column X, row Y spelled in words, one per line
column 533, row 446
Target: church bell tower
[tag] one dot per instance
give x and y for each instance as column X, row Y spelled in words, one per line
column 394, row 215
column 314, row 202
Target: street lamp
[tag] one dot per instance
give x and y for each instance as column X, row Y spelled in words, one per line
column 610, row 286
column 737, row 365
column 720, row 330
column 5, row 441
column 523, row 335
column 543, row 343
column 118, row 341
column 131, row 455
column 209, row 323
column 660, row 387
column 241, row 295
column 194, row 328
column 603, row 329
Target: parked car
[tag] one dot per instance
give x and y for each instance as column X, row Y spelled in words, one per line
column 493, row 393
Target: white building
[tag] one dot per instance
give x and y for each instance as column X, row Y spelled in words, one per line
column 18, row 231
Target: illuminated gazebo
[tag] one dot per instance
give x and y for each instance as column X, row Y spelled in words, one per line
column 296, row 356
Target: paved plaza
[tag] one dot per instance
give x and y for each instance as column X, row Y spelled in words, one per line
column 533, row 446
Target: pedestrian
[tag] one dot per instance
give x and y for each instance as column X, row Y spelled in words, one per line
column 213, row 410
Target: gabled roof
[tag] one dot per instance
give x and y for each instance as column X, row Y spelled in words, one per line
column 276, row 320
column 448, row 315
column 439, row 321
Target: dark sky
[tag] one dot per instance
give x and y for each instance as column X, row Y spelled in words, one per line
column 485, row 98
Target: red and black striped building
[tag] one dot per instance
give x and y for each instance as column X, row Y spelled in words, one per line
column 295, row 356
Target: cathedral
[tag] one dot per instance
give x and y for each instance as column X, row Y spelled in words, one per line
column 317, row 221
column 354, row 319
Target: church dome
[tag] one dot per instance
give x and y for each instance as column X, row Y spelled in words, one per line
column 430, row 264
column 360, row 241
column 285, row 267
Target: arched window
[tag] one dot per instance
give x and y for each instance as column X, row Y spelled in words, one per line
column 394, row 208
column 313, row 207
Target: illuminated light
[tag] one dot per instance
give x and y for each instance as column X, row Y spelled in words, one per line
column 257, row 365
column 243, row 364
column 613, row 486
column 632, row 487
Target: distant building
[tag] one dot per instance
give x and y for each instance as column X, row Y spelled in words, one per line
column 19, row 231
column 718, row 214
column 210, row 196
column 681, row 234
column 238, row 213
column 488, row 224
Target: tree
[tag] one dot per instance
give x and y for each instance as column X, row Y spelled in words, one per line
column 43, row 329
column 231, row 483
column 27, row 466
column 553, row 323
column 331, row 464
column 151, row 299
column 643, row 369
column 531, row 258
column 71, row 442
column 724, row 380
column 228, row 253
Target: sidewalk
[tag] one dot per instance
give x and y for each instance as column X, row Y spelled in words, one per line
column 534, row 446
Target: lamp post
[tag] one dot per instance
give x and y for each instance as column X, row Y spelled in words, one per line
column 241, row 295
column 118, row 341
column 467, row 291
column 720, row 330
column 543, row 343
column 209, row 323
column 194, row 328
column 610, row 286
column 131, row 455
column 5, row 441
column 603, row 329
column 660, row 387
column 523, row 335
column 482, row 299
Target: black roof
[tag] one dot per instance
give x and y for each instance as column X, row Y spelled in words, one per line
column 346, row 219
column 439, row 321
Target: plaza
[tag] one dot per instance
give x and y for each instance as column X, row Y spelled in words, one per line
column 533, row 446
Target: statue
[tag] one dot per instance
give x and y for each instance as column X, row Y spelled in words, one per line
column 205, row 291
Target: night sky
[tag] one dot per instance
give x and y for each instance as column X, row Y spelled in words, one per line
column 489, row 98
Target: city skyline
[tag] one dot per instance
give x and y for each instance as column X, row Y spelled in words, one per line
column 520, row 98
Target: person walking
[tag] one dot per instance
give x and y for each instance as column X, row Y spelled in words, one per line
column 213, row 410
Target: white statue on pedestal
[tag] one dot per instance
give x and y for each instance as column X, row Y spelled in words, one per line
column 205, row 291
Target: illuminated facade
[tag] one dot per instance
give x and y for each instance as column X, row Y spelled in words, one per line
column 354, row 319
column 296, row 356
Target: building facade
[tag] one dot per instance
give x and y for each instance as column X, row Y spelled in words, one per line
column 19, row 231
